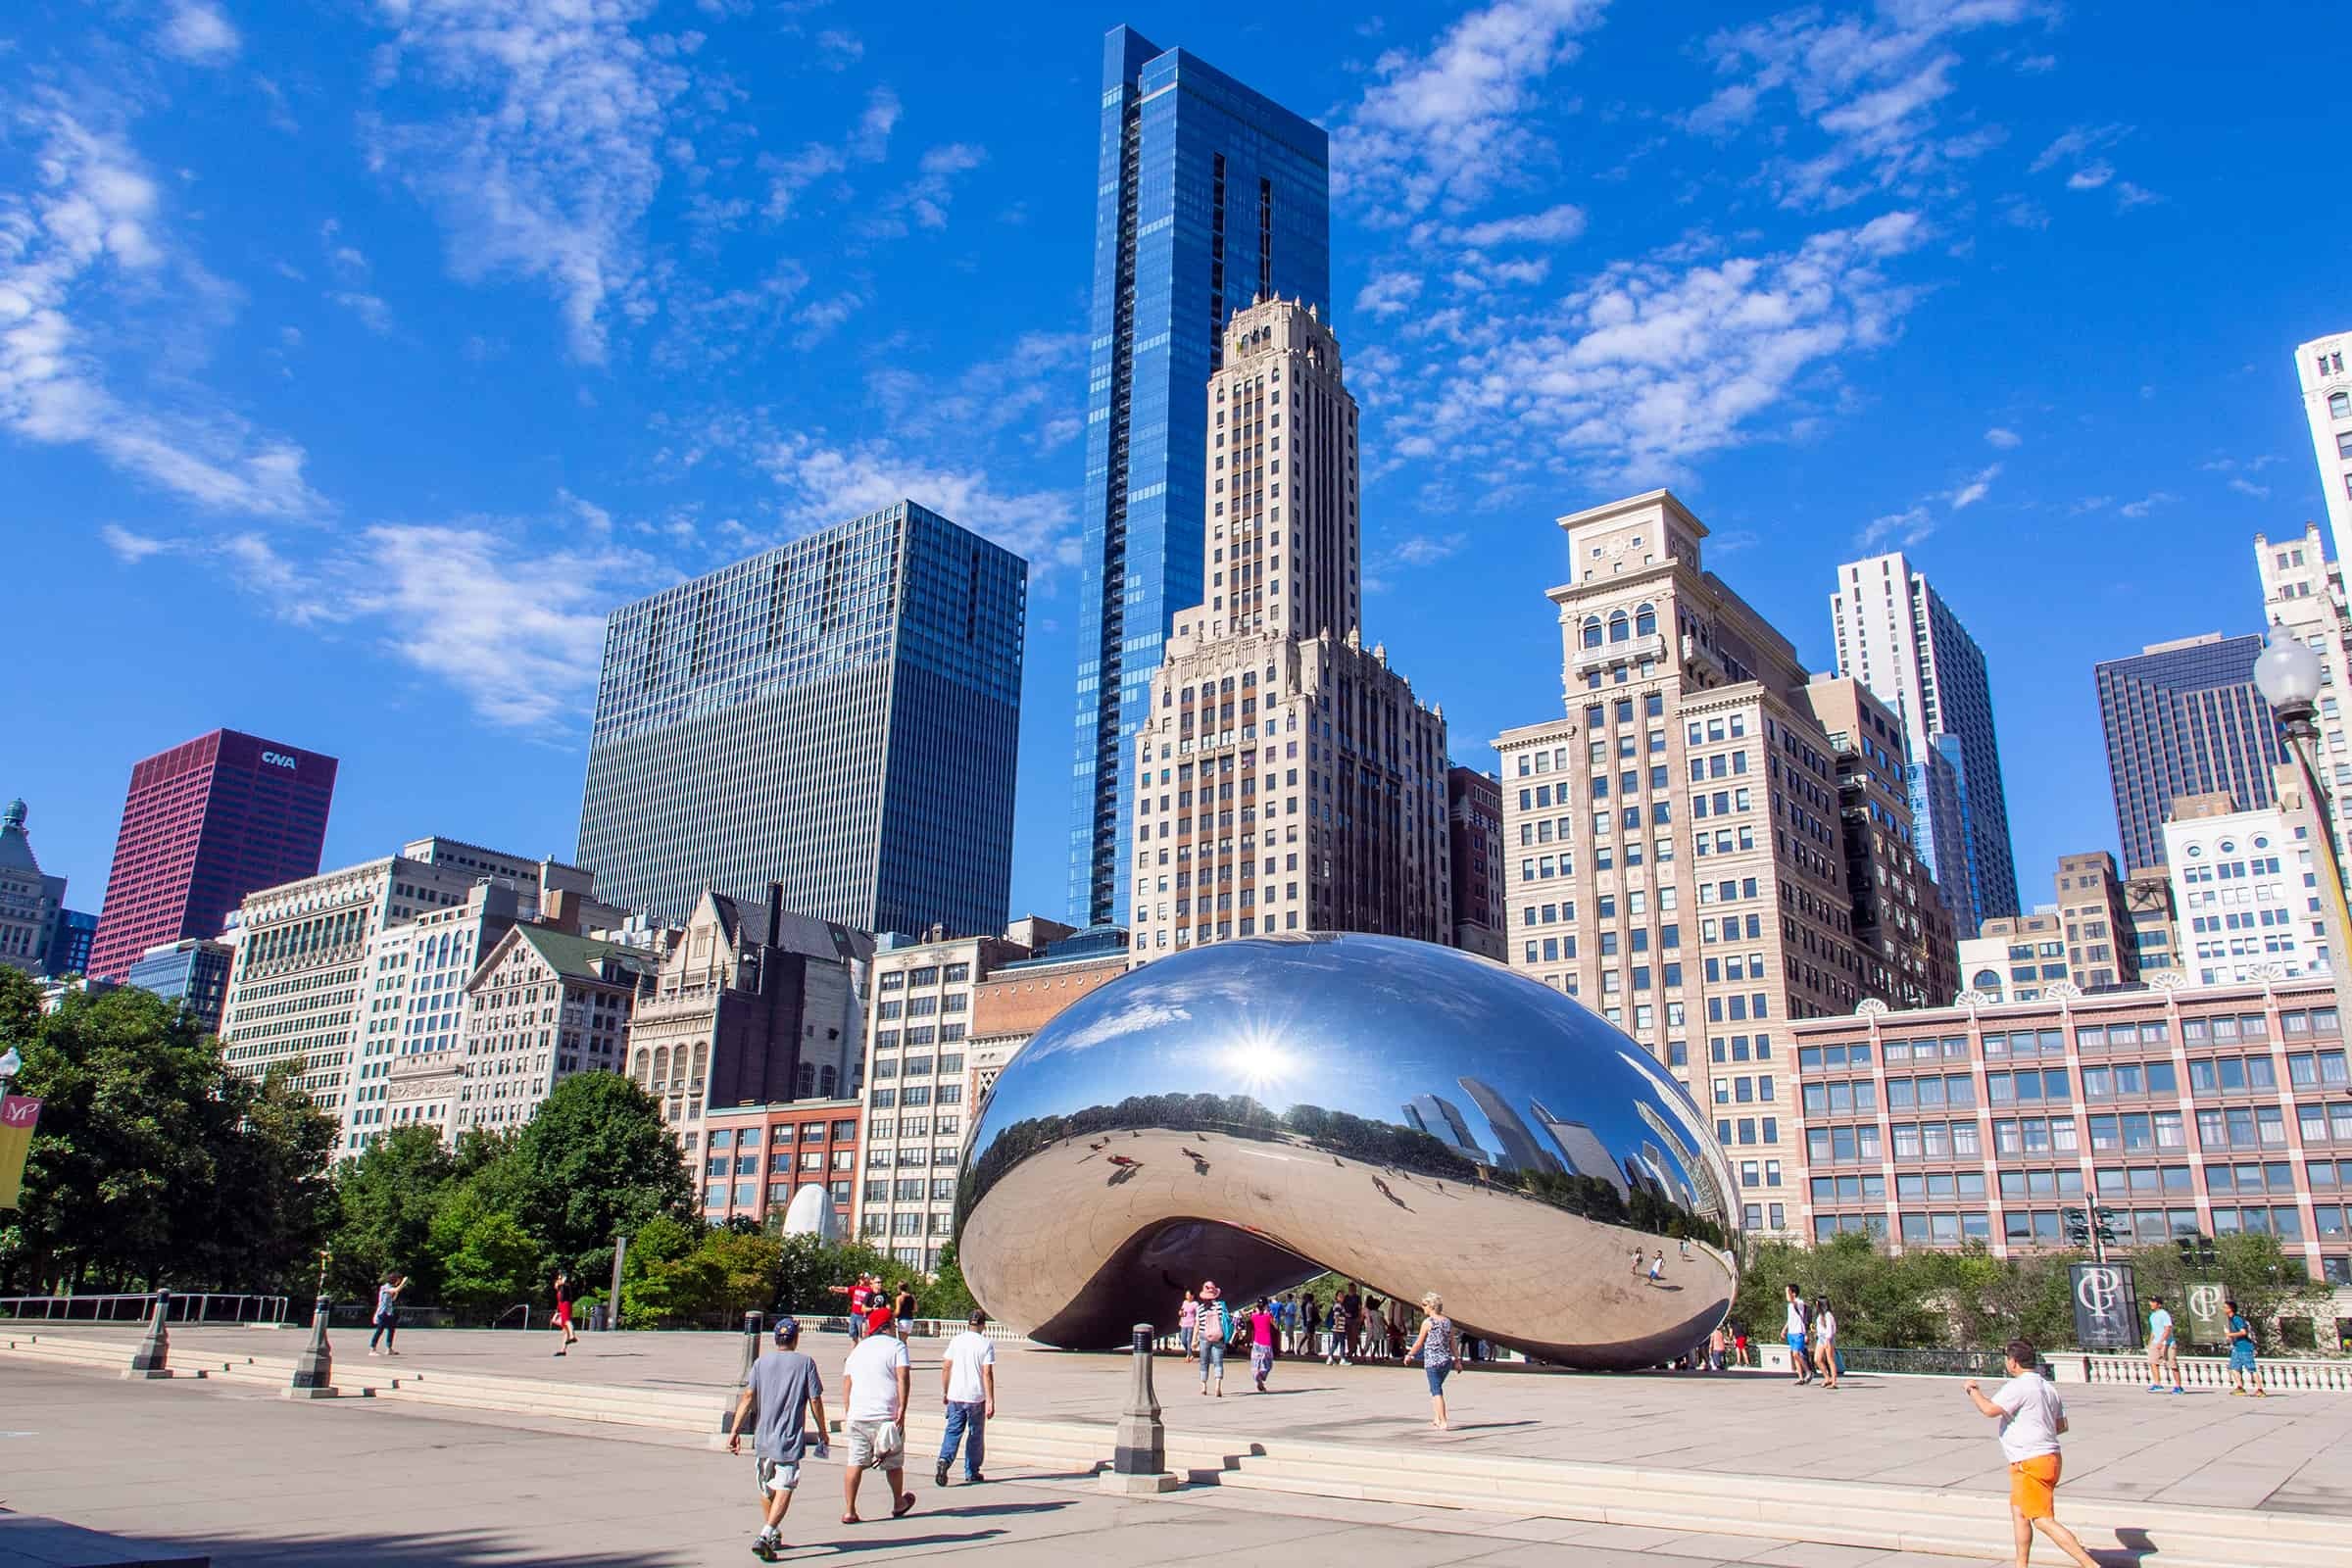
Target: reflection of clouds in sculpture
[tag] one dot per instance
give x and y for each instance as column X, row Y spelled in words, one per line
column 1413, row 1115
column 1142, row 1015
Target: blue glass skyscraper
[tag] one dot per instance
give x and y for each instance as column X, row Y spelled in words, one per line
column 1208, row 196
column 840, row 714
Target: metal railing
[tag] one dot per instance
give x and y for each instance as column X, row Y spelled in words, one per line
column 1928, row 1364
column 193, row 1306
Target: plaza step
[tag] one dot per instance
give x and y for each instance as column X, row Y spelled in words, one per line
column 1941, row 1521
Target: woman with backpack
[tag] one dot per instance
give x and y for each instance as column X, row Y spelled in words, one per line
column 1213, row 1333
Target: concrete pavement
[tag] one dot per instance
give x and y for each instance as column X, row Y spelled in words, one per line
column 2290, row 1453
column 232, row 1471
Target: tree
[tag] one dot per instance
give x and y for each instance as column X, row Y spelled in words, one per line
column 385, row 1202
column 808, row 1268
column 487, row 1258
column 948, row 1297
column 594, row 1162
column 153, row 1163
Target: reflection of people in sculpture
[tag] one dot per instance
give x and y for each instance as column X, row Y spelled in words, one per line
column 1657, row 1267
column 1122, row 1159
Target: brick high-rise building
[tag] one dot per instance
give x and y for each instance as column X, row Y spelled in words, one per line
column 1286, row 778
column 1676, row 854
column 1474, row 826
column 206, row 823
column 1903, row 928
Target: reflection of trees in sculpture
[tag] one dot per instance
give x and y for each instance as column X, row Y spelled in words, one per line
column 1335, row 1132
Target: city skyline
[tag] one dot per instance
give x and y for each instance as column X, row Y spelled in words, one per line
column 461, row 610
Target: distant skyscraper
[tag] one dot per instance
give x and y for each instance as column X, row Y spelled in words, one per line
column 2327, row 406
column 2183, row 719
column 70, row 950
column 192, row 971
column 840, row 714
column 1896, row 636
column 206, row 823
column 32, row 902
column 1208, row 196
column 1474, row 835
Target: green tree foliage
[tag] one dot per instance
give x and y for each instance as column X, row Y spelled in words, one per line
column 594, row 1163
column 948, row 1297
column 485, row 1257
column 152, row 1163
column 813, row 1275
column 385, row 1202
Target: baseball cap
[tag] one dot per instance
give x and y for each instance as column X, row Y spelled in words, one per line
column 786, row 1328
column 877, row 1320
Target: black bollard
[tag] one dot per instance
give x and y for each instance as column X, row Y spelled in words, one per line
column 1140, row 1463
column 314, row 1367
column 153, row 1358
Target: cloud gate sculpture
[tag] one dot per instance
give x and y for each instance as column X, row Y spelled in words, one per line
column 1260, row 1110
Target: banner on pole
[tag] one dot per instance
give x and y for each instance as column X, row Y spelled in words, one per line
column 2106, row 1306
column 18, row 1114
column 2208, row 1323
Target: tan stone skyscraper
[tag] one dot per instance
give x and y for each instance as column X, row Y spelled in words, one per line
column 1674, row 844
column 1287, row 779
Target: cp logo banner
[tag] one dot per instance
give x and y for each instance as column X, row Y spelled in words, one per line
column 2105, row 1315
column 18, row 1114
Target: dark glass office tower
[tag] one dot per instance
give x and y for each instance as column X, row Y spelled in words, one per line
column 2185, row 719
column 840, row 714
column 1208, row 195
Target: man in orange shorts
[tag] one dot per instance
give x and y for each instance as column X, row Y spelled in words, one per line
column 2031, row 1419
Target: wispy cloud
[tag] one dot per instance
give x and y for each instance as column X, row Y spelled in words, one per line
column 486, row 605
column 1902, row 529
column 821, row 482
column 1412, row 553
column 2247, row 488
column 547, row 166
column 1653, row 362
column 1442, row 128
column 1389, row 293
column 2146, row 504
column 868, row 141
column 82, row 246
column 198, row 32
column 2005, row 439
column 1552, row 226
column 1873, row 85
column 926, row 199
column 1973, row 489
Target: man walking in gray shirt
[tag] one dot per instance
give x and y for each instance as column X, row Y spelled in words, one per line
column 786, row 1389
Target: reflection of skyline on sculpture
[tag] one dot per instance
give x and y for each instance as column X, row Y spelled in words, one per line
column 1257, row 1111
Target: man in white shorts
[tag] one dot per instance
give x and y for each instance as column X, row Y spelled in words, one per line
column 874, row 1384
column 787, row 1390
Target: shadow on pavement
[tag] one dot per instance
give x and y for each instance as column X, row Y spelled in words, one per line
column 480, row 1549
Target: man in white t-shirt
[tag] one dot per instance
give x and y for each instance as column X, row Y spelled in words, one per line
column 2033, row 1418
column 874, row 1384
column 967, row 1381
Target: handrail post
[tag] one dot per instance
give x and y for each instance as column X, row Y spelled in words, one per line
column 314, row 1367
column 1139, row 1462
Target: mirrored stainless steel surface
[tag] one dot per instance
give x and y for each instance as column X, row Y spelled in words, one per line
column 1414, row 1116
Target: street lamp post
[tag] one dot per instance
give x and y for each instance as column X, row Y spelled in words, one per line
column 10, row 1066
column 2289, row 675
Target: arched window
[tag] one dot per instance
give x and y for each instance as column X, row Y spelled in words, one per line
column 826, row 1083
column 1592, row 631
column 1987, row 980
column 2339, row 405
column 1645, row 621
column 1620, row 628
column 808, row 1079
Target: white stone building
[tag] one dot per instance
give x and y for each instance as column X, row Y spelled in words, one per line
column 2246, row 889
column 2328, row 406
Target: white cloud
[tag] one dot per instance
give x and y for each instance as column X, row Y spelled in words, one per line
column 824, row 483
column 1653, row 363
column 866, row 142
column 2147, row 504
column 1552, row 226
column 2247, row 488
column 1902, row 529
column 1388, row 294
column 82, row 244
column 133, row 548
column 2075, row 145
column 927, row 196
column 547, row 168
column 1973, row 489
column 1442, row 128
column 198, row 34
column 2090, row 176
column 373, row 314
column 839, row 50
column 2128, row 196
column 1873, row 85
column 819, row 320
column 2006, row 440
column 515, row 626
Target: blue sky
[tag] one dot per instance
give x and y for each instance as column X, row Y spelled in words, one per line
column 356, row 356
